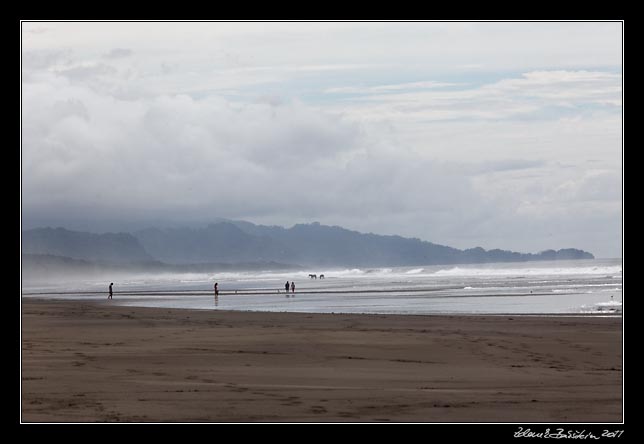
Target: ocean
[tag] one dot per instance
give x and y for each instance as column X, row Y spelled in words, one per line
column 584, row 287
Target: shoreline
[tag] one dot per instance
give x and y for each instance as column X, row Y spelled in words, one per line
column 39, row 297
column 92, row 361
column 596, row 314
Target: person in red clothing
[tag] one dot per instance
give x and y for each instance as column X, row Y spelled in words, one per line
column 292, row 287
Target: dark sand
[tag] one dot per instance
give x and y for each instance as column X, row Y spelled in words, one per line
column 85, row 361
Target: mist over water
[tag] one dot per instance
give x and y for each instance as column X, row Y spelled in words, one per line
column 548, row 287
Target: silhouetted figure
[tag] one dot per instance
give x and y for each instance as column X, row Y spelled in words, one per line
column 110, row 296
column 292, row 287
column 216, row 289
column 286, row 286
column 321, row 276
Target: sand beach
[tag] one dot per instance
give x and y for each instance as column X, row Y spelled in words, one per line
column 87, row 361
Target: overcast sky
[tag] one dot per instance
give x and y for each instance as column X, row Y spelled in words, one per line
column 499, row 135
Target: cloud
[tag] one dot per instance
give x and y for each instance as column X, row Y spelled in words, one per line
column 39, row 59
column 505, row 165
column 35, row 30
column 569, row 87
column 86, row 71
column 173, row 151
column 177, row 157
column 539, row 94
column 70, row 107
column 118, row 53
column 389, row 88
column 372, row 126
column 595, row 185
column 279, row 161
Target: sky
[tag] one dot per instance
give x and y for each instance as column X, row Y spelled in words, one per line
column 493, row 134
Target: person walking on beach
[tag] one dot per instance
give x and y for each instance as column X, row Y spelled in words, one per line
column 216, row 289
column 292, row 287
column 286, row 286
column 110, row 296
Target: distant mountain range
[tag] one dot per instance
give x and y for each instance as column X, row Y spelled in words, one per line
column 48, row 267
column 245, row 245
column 108, row 247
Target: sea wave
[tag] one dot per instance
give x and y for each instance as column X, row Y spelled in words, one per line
column 562, row 271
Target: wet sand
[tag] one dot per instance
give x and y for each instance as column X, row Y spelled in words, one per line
column 99, row 362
